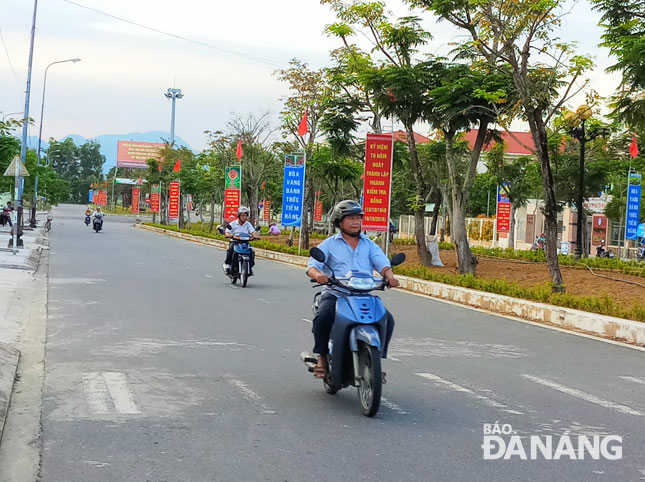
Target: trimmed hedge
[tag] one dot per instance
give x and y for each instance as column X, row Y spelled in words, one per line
column 603, row 305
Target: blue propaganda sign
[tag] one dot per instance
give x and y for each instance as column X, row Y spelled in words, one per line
column 292, row 195
column 633, row 206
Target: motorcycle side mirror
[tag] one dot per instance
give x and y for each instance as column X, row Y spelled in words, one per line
column 221, row 229
column 258, row 228
column 397, row 259
column 317, row 254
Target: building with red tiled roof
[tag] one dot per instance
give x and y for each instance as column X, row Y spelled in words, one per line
column 403, row 137
column 516, row 145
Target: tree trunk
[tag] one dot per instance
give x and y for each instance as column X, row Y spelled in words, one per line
column 307, row 208
column 465, row 259
column 201, row 213
column 425, row 258
column 550, row 210
column 511, row 234
column 252, row 195
column 181, row 223
column 210, row 228
column 435, row 212
column 459, row 196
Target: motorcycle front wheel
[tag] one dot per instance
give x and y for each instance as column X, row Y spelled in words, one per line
column 328, row 388
column 244, row 273
column 371, row 383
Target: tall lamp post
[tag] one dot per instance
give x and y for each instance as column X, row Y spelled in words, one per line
column 173, row 94
column 32, row 221
column 576, row 122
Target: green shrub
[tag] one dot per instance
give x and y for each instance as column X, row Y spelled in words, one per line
column 603, row 305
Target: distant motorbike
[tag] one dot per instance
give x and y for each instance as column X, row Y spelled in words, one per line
column 242, row 252
column 357, row 336
column 5, row 217
column 97, row 223
column 601, row 252
column 88, row 220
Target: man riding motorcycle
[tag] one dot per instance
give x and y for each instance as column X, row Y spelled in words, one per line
column 240, row 226
column 348, row 250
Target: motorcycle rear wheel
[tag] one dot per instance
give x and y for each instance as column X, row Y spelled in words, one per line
column 371, row 383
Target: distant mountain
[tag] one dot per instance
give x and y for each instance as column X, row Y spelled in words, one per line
column 109, row 143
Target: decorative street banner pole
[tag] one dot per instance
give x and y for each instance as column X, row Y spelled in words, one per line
column 503, row 211
column 377, row 181
column 173, row 200
column 633, row 206
column 135, row 200
column 232, row 192
column 293, row 190
column 155, row 198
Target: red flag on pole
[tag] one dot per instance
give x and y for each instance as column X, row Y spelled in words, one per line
column 239, row 153
column 177, row 167
column 303, row 128
column 633, row 148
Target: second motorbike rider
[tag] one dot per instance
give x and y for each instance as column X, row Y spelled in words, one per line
column 348, row 250
column 240, row 226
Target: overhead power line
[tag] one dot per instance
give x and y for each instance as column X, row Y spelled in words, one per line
column 9, row 58
column 179, row 37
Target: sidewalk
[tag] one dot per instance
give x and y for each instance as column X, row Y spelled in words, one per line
column 18, row 288
column 26, row 258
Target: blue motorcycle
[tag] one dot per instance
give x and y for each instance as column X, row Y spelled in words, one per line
column 242, row 253
column 355, row 346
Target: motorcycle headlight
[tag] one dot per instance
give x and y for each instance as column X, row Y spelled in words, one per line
column 360, row 283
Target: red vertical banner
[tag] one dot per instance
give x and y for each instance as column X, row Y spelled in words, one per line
column 318, row 211
column 231, row 204
column 155, row 199
column 101, row 198
column 377, row 180
column 135, row 200
column 267, row 209
column 503, row 217
column 173, row 200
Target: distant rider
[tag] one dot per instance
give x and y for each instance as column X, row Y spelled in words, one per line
column 241, row 226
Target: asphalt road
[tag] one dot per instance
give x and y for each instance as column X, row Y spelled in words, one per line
column 157, row 369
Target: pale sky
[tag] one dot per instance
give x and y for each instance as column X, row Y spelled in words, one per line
column 118, row 86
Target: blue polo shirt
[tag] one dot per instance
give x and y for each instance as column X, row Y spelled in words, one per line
column 367, row 256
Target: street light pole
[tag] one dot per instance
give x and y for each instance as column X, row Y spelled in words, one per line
column 173, row 94
column 32, row 221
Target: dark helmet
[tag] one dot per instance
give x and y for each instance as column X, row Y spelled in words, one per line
column 348, row 207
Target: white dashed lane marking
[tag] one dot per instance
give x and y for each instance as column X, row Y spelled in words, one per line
column 458, row 388
column 109, row 392
column 587, row 397
column 638, row 380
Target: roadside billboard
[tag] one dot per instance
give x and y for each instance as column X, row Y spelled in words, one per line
column 135, row 155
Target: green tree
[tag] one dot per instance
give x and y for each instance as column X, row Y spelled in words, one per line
column 624, row 23
column 545, row 72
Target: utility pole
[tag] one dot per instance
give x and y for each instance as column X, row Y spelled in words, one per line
column 17, row 227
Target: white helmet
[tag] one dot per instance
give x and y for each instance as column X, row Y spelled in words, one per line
column 243, row 210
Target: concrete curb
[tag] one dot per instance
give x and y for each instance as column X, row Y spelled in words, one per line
column 606, row 326
column 9, row 358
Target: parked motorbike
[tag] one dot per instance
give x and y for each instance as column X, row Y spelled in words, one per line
column 97, row 223
column 88, row 220
column 601, row 252
column 355, row 345
column 242, row 252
